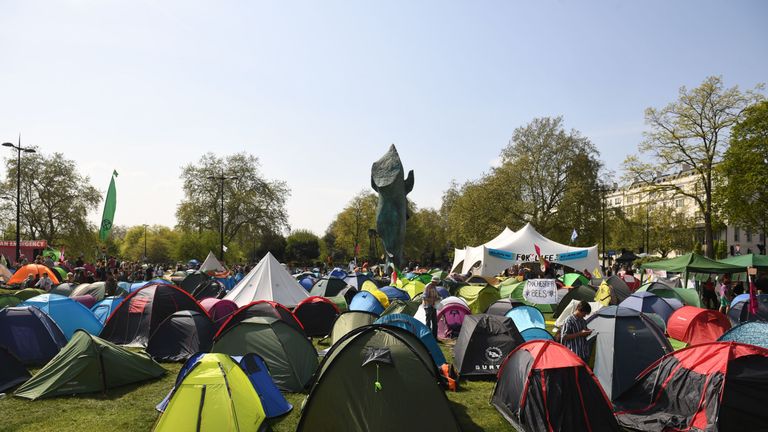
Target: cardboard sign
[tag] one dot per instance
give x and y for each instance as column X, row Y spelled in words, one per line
column 540, row 291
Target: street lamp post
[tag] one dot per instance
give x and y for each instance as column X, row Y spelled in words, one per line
column 221, row 178
column 145, row 241
column 19, row 149
column 603, row 189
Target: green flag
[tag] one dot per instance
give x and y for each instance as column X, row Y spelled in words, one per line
column 109, row 210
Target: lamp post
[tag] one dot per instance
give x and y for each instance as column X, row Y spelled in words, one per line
column 19, row 150
column 603, row 189
column 221, row 178
column 145, row 241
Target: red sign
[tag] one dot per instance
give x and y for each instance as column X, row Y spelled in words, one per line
column 36, row 244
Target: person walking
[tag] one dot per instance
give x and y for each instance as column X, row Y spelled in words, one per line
column 575, row 331
column 45, row 283
column 429, row 299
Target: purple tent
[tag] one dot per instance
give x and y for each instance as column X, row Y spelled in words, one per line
column 219, row 310
column 647, row 302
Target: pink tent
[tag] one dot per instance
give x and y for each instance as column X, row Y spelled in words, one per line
column 86, row 300
column 218, row 309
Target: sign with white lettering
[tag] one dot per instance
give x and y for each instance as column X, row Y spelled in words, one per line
column 540, row 291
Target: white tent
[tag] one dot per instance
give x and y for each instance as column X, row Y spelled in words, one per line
column 211, row 264
column 472, row 255
column 520, row 247
column 269, row 280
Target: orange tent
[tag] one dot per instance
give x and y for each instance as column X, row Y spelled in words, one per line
column 34, row 269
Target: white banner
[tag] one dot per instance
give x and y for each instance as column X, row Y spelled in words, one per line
column 540, row 291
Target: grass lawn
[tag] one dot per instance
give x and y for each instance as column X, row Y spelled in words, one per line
column 132, row 408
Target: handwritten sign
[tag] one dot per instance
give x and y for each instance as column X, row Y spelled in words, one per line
column 540, row 291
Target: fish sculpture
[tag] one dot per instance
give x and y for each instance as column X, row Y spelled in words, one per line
column 387, row 178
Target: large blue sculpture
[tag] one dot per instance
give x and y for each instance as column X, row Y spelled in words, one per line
column 387, row 178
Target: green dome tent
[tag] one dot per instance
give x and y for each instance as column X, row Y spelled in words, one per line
column 687, row 296
column 89, row 364
column 290, row 357
column 479, row 297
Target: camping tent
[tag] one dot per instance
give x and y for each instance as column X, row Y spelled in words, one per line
column 685, row 295
column 366, row 301
column 89, row 364
column 12, row 372
column 394, row 293
column 209, row 288
column 219, row 310
column 749, row 260
column 268, row 281
column 570, row 307
column 582, row 292
column 213, row 394
column 479, row 297
column 7, row 300
column 543, row 386
column 573, row 279
column 348, row 321
column 192, row 281
column 103, row 309
column 30, row 335
column 526, row 317
column 97, row 290
column 695, row 326
column 399, row 306
column 450, row 319
column 612, row 291
column 37, row 270
column 536, row 333
column 692, row 263
column 739, row 310
column 291, row 358
column 753, row 333
column 718, row 386
column 627, row 342
column 513, row 289
column 502, row 306
column 211, row 265
column 180, row 336
column 138, row 316
column 648, row 302
column 377, row 379
column 328, row 287
column 261, row 308
column 316, row 315
column 483, row 343
column 419, row 330
column 520, row 247
column 68, row 314
column 28, row 293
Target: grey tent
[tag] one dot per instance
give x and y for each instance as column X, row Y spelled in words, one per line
column 627, row 342
column 484, row 342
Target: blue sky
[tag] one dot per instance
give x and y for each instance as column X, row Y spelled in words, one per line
column 319, row 89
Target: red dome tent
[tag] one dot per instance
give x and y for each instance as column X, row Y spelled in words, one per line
column 316, row 314
column 139, row 315
column 694, row 325
column 543, row 386
column 718, row 386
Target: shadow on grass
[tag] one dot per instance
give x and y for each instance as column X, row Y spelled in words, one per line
column 462, row 417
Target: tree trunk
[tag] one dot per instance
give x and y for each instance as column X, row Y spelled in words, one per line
column 708, row 237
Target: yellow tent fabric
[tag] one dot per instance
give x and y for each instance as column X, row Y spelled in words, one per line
column 414, row 288
column 202, row 401
column 373, row 289
column 603, row 294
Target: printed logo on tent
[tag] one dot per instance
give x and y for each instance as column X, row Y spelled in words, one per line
column 493, row 354
column 533, row 257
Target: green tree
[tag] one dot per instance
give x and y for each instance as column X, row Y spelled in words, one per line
column 192, row 244
column 302, row 246
column 251, row 203
column 55, row 198
column 426, row 240
column 547, row 177
column 742, row 193
column 160, row 241
column 691, row 133
column 350, row 227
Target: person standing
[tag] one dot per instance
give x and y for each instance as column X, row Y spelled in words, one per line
column 575, row 331
column 429, row 299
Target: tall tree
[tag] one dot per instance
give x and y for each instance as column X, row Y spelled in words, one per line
column 55, row 198
column 742, row 192
column 691, row 133
column 302, row 246
column 350, row 228
column 250, row 201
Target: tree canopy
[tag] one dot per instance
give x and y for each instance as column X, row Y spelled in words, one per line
column 690, row 134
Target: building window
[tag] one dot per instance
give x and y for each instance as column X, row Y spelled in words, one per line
column 630, row 200
column 749, row 235
column 679, row 202
column 736, row 234
column 617, row 201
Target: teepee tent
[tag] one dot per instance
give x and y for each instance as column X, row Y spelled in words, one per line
column 268, row 281
column 211, row 265
column 520, row 247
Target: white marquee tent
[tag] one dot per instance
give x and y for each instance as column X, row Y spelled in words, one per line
column 269, row 280
column 520, row 247
column 474, row 254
